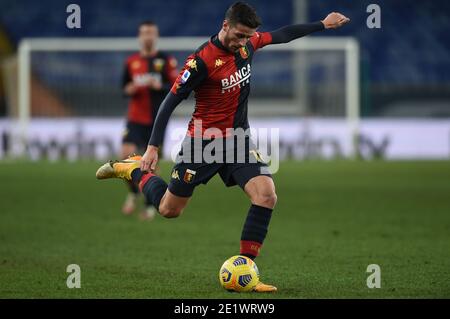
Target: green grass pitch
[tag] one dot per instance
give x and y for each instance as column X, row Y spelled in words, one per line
column 332, row 220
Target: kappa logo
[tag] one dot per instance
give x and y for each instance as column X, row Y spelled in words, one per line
column 189, row 175
column 239, row 78
column 192, row 64
column 175, row 174
column 219, row 62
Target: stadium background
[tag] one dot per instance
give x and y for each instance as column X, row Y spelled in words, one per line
column 334, row 217
column 401, row 61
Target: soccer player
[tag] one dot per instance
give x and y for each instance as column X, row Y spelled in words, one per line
column 219, row 73
column 147, row 78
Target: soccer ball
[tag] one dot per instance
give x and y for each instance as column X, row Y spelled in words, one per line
column 239, row 273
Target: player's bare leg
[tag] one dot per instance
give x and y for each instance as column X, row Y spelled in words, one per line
column 261, row 191
column 171, row 205
column 128, row 149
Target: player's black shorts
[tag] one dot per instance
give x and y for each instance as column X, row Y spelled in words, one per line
column 235, row 165
column 138, row 134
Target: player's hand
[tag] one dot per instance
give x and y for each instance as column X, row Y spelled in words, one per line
column 157, row 85
column 335, row 20
column 149, row 159
column 130, row 88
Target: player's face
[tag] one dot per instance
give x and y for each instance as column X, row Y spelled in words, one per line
column 148, row 35
column 236, row 36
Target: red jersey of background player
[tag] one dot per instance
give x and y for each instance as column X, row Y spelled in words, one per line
column 221, row 81
column 144, row 104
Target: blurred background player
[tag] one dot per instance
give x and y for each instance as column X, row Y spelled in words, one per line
column 147, row 78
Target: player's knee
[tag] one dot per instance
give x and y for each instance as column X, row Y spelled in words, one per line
column 170, row 212
column 266, row 199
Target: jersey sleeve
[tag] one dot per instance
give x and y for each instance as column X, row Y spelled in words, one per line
column 295, row 31
column 260, row 39
column 190, row 77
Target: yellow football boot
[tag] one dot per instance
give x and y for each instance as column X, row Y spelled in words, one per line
column 260, row 287
column 119, row 169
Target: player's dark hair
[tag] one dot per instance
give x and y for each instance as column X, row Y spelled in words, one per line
column 241, row 12
column 148, row 23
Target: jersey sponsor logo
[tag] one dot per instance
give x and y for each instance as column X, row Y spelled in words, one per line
column 192, row 64
column 244, row 52
column 189, row 175
column 239, row 78
column 218, row 63
column 158, row 64
column 185, row 76
column 143, row 79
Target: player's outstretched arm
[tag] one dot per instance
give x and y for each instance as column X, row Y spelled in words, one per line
column 150, row 158
column 288, row 33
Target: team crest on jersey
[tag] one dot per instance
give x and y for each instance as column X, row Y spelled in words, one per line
column 192, row 64
column 189, row 175
column 158, row 64
column 244, row 52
